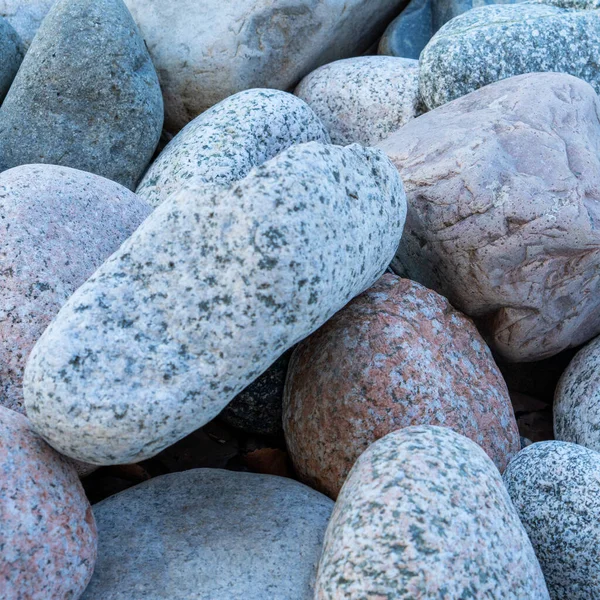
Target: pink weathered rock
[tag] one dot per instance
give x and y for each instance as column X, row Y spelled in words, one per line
column 503, row 189
column 396, row 356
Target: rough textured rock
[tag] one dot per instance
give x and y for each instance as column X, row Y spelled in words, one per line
column 491, row 43
column 85, row 97
column 207, row 293
column 25, row 16
column 409, row 32
column 579, row 4
column 224, row 143
column 11, row 55
column 213, row 49
column 397, row 355
column 424, row 514
column 503, row 218
column 212, row 534
column 48, row 535
column 555, row 488
column 363, row 99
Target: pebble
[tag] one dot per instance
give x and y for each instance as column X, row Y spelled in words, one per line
column 25, row 16
column 11, row 56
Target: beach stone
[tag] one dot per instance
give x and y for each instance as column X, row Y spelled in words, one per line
column 210, row 290
column 86, row 95
column 446, row 10
column 407, row 358
column 25, row 16
column 424, row 514
column 502, row 187
column 363, row 99
column 11, row 55
column 225, row 142
column 579, row 4
column 555, row 488
column 409, row 32
column 209, row 533
column 48, row 535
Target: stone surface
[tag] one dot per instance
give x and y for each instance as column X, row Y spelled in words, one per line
column 212, row 534
column 424, row 515
column 224, row 143
column 11, row 55
column 445, row 10
column 86, row 96
column 213, row 49
column 48, row 534
column 409, row 32
column 207, row 293
column 555, row 488
column 503, row 219
column 363, row 99
column 491, row 43
column 25, row 16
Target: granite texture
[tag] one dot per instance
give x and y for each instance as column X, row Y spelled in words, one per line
column 86, row 95
column 579, row 4
column 555, row 488
column 206, row 294
column 424, row 515
column 445, row 10
column 11, row 55
column 363, row 99
column 48, row 534
column 210, row 534
column 225, row 142
column 397, row 355
column 503, row 220
column 25, row 16
column 409, row 32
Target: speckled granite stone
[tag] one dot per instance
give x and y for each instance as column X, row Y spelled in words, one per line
column 363, row 99
column 397, row 355
column 503, row 217
column 555, row 488
column 86, row 95
column 25, row 16
column 424, row 515
column 224, row 143
column 207, row 293
column 409, row 32
column 210, row 534
column 445, row 10
column 48, row 535
column 11, row 55
column 580, row 4
column 495, row 42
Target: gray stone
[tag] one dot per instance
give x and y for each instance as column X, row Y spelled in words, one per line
column 224, row 143
column 86, row 96
column 555, row 488
column 445, row 10
column 423, row 514
column 11, row 55
column 208, row 292
column 409, row 32
column 209, row 533
column 579, row 4
column 25, row 16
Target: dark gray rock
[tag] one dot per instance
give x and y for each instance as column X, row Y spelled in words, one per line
column 409, row 33
column 11, row 55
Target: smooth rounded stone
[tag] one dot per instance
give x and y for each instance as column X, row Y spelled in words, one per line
column 48, row 534
column 210, row 290
column 492, row 43
column 213, row 49
column 363, row 99
column 502, row 187
column 409, row 32
column 11, row 55
column 209, row 533
column 224, row 143
column 555, row 488
column 86, row 95
column 25, row 16
column 424, row 514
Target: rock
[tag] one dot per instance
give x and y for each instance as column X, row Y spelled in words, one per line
column 503, row 217
column 409, row 32
column 579, row 4
column 491, row 43
column 207, row 293
column 25, row 16
column 213, row 49
column 555, row 488
column 212, row 534
column 224, row 143
column 85, row 96
column 363, row 99
column 446, row 10
column 48, row 535
column 11, row 55
column 424, row 515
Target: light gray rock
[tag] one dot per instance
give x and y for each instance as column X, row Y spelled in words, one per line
column 25, row 16
column 363, row 99
column 207, row 293
column 86, row 96
column 580, row 4
column 555, row 488
column 11, row 55
column 423, row 514
column 503, row 188
column 209, row 533
column 224, row 143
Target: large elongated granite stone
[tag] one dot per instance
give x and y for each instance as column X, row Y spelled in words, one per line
column 207, row 293
column 503, row 188
column 25, row 16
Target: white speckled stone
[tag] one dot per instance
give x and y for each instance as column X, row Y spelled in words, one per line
column 580, row 4
column 25, row 16
column 225, row 142
column 363, row 99
column 555, row 488
column 207, row 293
column 210, row 534
column 423, row 514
